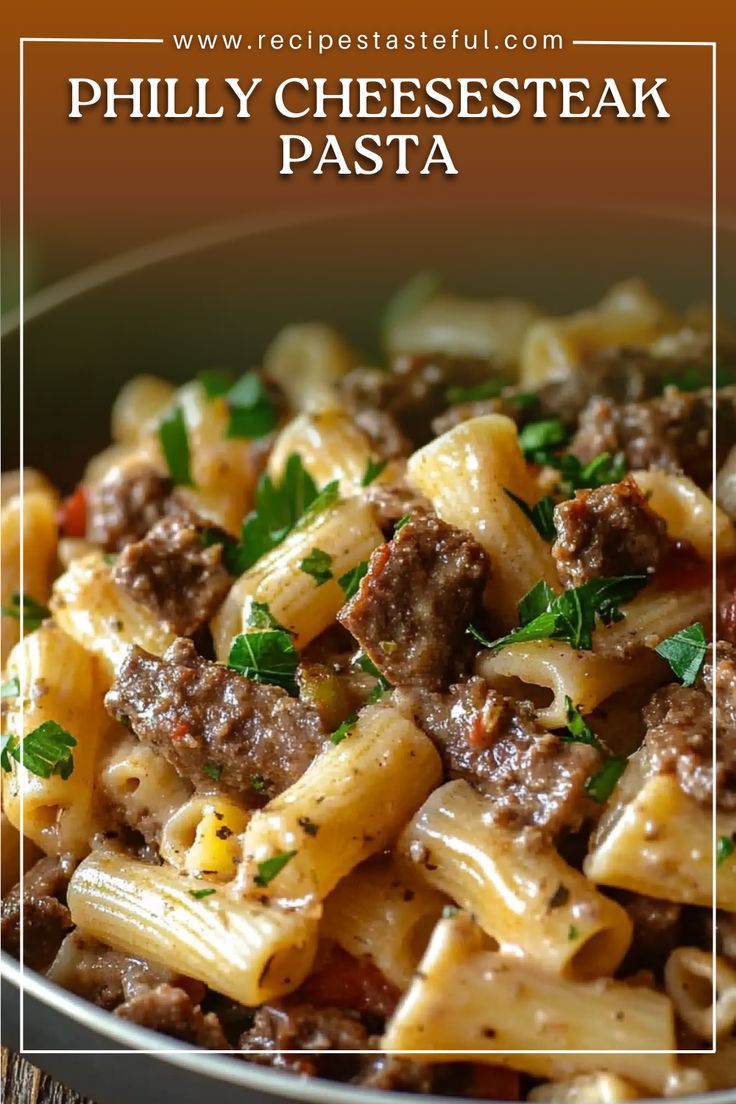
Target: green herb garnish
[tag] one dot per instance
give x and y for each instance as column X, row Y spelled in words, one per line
column 11, row 688
column 540, row 441
column 685, row 652
column 572, row 933
column 601, row 785
column 366, row 664
column 401, row 523
column 267, row 656
column 32, row 611
column 44, row 751
column 269, row 868
column 279, row 506
column 344, row 729
column 372, row 471
column 214, row 770
column 232, row 550
column 260, row 617
column 252, row 413
column 200, row 894
column 724, row 849
column 489, row 389
column 578, row 731
column 448, row 911
column 318, row 564
column 215, row 382
column 541, row 515
column 602, row 469
column 172, row 435
column 257, row 783
column 350, row 581
column 570, row 616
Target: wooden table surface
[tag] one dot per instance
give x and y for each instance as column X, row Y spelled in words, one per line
column 22, row 1083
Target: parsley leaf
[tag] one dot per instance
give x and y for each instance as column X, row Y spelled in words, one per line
column 685, row 652
column 269, row 868
column 44, row 751
column 601, row 785
column 215, row 382
column 252, row 413
column 570, row 616
column 214, row 770
column 257, row 783
column 489, row 389
column 279, row 506
column 267, row 656
column 33, row 612
column 401, row 523
column 344, row 729
column 11, row 688
column 232, row 550
column 372, row 471
column 318, row 564
column 724, row 850
column 350, row 581
column 602, row 469
column 199, row 894
column 8, row 743
column 326, row 498
column 366, row 664
column 541, row 515
column 572, row 933
column 448, row 911
column 579, row 731
column 260, row 617
column 539, row 441
column 172, row 435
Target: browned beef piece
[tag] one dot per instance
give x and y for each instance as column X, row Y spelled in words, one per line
column 104, row 976
column 534, row 778
column 197, row 713
column 384, row 433
column 392, row 502
column 521, row 413
column 123, row 508
column 657, row 931
column 413, row 606
column 727, row 617
column 172, row 1011
column 304, row 1027
column 413, row 391
column 679, row 738
column 386, row 1071
column 672, row 431
column 607, row 531
column 176, row 574
column 46, row 919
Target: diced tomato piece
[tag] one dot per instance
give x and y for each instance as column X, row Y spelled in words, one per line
column 73, row 513
column 180, row 732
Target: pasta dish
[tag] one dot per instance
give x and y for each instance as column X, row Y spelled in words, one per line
column 379, row 722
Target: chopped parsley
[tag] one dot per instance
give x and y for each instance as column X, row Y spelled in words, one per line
column 318, row 564
column 601, row 785
column 32, row 611
column 366, row 664
column 200, row 894
column 215, row 382
column 308, row 826
column 448, row 911
column 572, row 933
column 724, row 849
column 11, row 688
column 172, row 435
column 540, row 441
column 252, row 413
column 344, row 729
column 602, row 469
column 44, row 751
column 373, row 469
column 279, row 506
column 232, row 550
column 260, row 617
column 578, row 732
column 257, row 783
column 541, row 515
column 266, row 656
column 570, row 616
column 685, row 652
column 350, row 581
column 401, row 523
column 489, row 389
column 269, row 868
column 214, row 770
column 694, row 377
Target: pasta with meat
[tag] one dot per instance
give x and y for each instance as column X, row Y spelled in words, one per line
column 378, row 720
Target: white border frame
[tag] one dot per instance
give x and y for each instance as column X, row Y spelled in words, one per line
column 21, row 332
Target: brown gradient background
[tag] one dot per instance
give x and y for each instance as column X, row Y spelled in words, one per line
column 94, row 187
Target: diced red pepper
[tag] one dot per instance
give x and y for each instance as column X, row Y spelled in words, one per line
column 73, row 513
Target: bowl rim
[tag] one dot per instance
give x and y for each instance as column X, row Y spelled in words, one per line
column 128, row 1036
